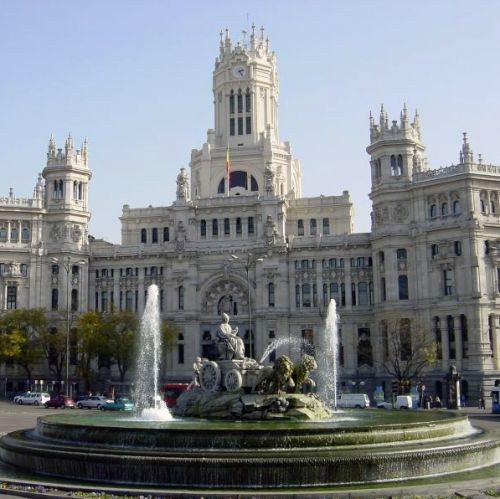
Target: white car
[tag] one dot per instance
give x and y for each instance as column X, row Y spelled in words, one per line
column 384, row 405
column 92, row 402
column 32, row 398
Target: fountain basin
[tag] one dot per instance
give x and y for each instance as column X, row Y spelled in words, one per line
column 372, row 447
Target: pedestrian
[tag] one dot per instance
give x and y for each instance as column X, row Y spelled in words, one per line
column 481, row 402
column 437, row 401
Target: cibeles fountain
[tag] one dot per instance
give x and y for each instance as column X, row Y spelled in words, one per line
column 247, row 425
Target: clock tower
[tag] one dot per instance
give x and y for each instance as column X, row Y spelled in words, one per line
column 245, row 86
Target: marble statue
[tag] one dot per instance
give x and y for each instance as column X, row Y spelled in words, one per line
column 231, row 346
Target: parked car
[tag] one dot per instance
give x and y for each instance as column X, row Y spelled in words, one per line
column 19, row 395
column 403, row 402
column 33, row 398
column 120, row 404
column 93, row 402
column 61, row 401
column 358, row 400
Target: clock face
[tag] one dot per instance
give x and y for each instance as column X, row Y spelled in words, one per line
column 239, row 72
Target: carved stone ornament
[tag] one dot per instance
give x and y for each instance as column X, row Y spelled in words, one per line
column 76, row 233
column 180, row 237
column 270, row 232
column 269, row 179
column 55, row 233
column 182, row 186
column 400, row 212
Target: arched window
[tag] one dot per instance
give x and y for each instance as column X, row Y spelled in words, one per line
column 14, row 233
column 24, row 270
column 75, row 190
column 231, row 102
column 400, row 165
column 270, row 294
column 458, row 247
column 166, row 234
column 144, row 236
column 403, row 287
column 433, row 211
column 180, row 298
column 11, row 297
column 341, row 263
column 80, row 191
column 61, row 191
column 483, row 206
column 492, row 206
column 203, row 228
column 240, row 101
column 238, row 226
column 104, row 301
column 297, row 296
column 3, row 233
column 444, row 210
column 55, row 299
column 154, row 235
column 334, row 292
column 300, row 227
column 312, row 226
column 394, row 166
column 434, row 250
column 332, row 263
column 227, row 228
column 215, row 227
column 326, row 226
column 457, row 209
column 254, row 187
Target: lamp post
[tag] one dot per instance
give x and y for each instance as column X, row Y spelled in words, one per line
column 247, row 264
column 67, row 264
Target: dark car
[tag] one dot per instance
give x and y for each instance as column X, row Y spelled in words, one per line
column 60, row 401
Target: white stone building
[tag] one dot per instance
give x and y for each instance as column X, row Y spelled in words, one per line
column 272, row 259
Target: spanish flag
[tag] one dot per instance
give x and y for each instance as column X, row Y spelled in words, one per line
column 228, row 169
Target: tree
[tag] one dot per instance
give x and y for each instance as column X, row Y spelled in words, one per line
column 408, row 351
column 89, row 343
column 120, row 331
column 20, row 341
column 53, row 343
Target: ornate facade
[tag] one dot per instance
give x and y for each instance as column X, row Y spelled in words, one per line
column 253, row 247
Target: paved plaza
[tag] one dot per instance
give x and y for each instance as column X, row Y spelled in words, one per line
column 14, row 417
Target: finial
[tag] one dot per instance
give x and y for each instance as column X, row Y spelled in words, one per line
column 480, row 158
column 465, row 137
column 227, row 32
column 262, row 32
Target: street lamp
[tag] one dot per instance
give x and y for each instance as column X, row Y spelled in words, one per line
column 247, row 264
column 67, row 264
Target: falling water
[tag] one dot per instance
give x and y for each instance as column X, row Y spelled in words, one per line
column 279, row 342
column 148, row 402
column 327, row 358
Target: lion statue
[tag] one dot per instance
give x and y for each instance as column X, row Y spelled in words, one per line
column 301, row 371
column 276, row 379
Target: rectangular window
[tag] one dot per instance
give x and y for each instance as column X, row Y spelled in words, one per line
column 306, row 295
column 24, row 270
column 55, row 299
column 248, row 125
column 227, row 228
column 403, row 287
column 166, row 234
column 498, row 279
column 248, row 102
column 203, row 228
column 154, row 235
column 215, row 227
column 240, row 126
column 363, row 293
column 297, row 296
column 238, row 226
column 55, row 269
column 271, row 294
column 326, row 226
column 231, row 126
column 383, row 293
column 136, row 301
column 250, row 225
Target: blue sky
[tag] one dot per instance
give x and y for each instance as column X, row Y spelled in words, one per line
column 135, row 77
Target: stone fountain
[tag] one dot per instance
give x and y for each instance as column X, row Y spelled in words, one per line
column 263, row 435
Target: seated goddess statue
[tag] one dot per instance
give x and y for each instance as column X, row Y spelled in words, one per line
column 231, row 346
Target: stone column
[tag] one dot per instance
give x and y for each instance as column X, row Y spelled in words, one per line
column 8, row 230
